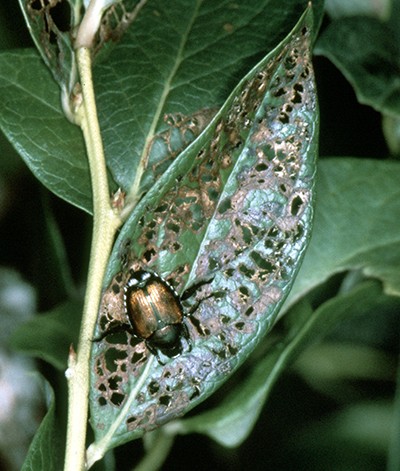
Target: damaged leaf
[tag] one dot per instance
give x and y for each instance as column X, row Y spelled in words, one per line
column 115, row 21
column 51, row 23
column 226, row 225
column 206, row 48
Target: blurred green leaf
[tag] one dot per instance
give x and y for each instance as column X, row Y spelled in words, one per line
column 354, row 438
column 341, row 8
column 12, row 30
column 46, row 450
column 356, row 225
column 365, row 50
column 49, row 336
column 391, row 131
column 393, row 463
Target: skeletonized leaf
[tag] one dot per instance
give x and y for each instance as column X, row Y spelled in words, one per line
column 50, row 25
column 227, row 225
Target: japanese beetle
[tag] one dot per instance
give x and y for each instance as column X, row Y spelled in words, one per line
column 155, row 314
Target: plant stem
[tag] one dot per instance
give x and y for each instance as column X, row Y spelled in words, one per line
column 105, row 225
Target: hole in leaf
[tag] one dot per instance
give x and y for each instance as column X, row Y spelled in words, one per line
column 53, row 39
column 36, row 5
column 116, row 288
column 297, row 202
column 213, row 194
column 225, row 206
column 99, row 370
column 195, row 394
column 261, row 262
column 149, row 254
column 61, row 14
column 249, row 311
column 165, row 400
column 298, row 90
column 233, row 350
column 117, row 399
column 113, row 382
column 279, row 92
column 284, row 118
column 229, row 272
column 213, row 264
column 247, row 272
column 261, row 167
column 153, row 387
column 137, row 357
column 117, row 338
column 102, row 402
column 111, row 356
column 225, row 319
column 173, row 227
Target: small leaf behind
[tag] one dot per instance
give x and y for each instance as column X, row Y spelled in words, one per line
column 46, row 450
column 49, row 336
column 365, row 51
column 357, row 224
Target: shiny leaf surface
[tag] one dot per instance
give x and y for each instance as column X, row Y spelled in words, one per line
column 227, row 225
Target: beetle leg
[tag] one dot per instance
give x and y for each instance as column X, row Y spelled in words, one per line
column 190, row 292
column 185, row 333
column 154, row 352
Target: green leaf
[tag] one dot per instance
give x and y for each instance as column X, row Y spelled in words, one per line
column 205, row 50
column 49, row 336
column 177, row 58
column 365, row 51
column 231, row 422
column 46, row 449
column 356, row 225
column 32, row 119
column 227, row 225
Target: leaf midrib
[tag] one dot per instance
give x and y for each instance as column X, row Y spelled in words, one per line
column 135, row 187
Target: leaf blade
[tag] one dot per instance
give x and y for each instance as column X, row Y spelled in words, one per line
column 32, row 119
column 222, row 333
column 366, row 237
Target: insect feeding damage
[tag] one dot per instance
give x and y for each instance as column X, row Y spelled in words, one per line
column 242, row 209
column 51, row 29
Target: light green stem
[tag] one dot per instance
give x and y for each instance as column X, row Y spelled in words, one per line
column 105, row 225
